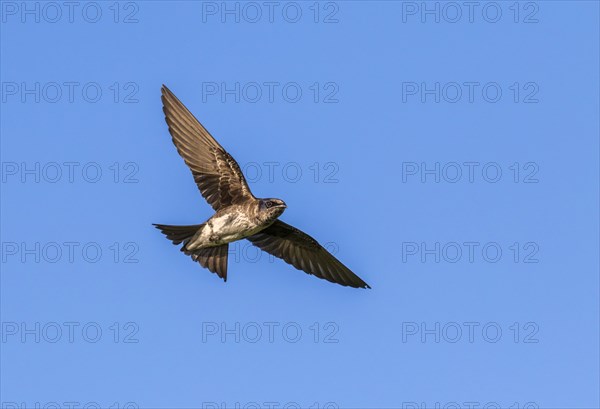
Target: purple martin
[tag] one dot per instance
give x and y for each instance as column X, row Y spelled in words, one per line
column 238, row 214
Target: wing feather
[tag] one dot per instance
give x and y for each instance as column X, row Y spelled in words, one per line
column 305, row 253
column 217, row 175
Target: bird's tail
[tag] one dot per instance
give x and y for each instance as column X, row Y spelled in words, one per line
column 213, row 258
column 178, row 234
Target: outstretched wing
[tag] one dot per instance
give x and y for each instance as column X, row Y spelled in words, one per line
column 305, row 253
column 216, row 173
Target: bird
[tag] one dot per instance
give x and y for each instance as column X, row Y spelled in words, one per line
column 238, row 213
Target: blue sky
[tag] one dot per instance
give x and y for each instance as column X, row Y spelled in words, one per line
column 447, row 153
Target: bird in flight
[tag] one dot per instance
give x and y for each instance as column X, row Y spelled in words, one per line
column 238, row 214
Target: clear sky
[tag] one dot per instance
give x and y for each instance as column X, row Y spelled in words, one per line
column 446, row 152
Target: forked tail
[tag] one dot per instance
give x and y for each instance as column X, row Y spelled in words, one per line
column 178, row 234
column 213, row 258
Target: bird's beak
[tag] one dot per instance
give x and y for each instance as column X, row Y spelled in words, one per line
column 282, row 204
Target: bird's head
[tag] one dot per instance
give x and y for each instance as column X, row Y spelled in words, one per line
column 271, row 209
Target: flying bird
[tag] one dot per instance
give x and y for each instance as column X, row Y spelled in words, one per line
column 238, row 214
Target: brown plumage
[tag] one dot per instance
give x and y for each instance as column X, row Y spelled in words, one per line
column 238, row 213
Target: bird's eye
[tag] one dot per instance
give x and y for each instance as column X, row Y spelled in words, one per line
column 269, row 204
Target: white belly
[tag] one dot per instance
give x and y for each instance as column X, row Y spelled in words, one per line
column 222, row 229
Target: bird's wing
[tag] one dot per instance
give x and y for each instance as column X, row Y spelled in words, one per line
column 216, row 173
column 305, row 253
